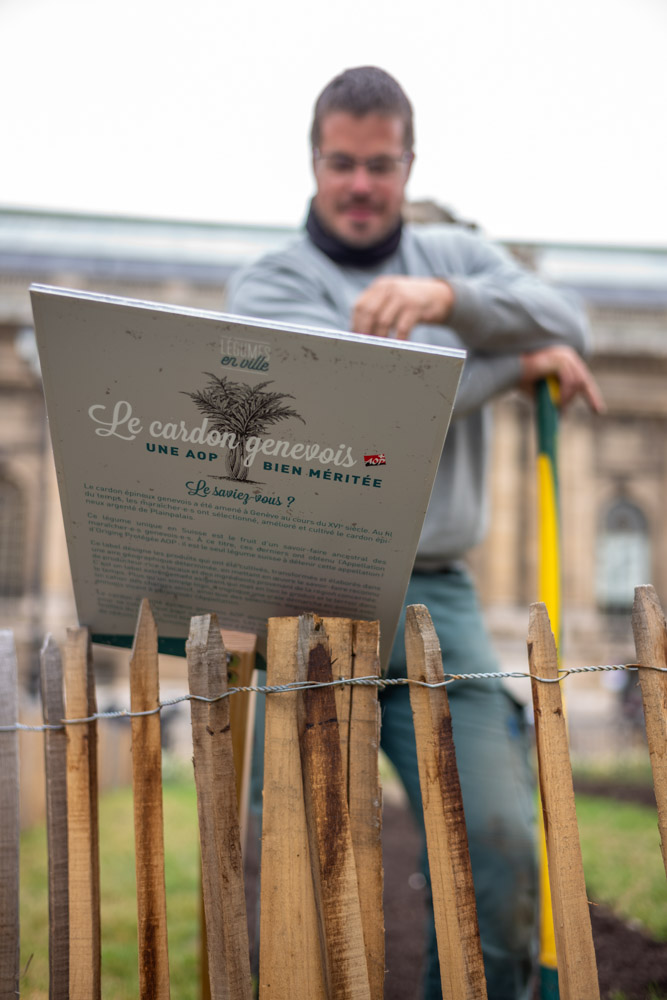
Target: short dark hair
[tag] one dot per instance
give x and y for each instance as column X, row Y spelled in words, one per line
column 362, row 91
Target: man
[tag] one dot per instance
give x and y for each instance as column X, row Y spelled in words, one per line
column 359, row 268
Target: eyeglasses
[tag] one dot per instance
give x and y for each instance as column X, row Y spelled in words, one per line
column 376, row 166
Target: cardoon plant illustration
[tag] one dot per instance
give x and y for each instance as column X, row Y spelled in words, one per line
column 242, row 410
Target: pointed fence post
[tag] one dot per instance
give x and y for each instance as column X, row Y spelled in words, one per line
column 55, row 768
column 339, row 633
column 82, row 820
column 290, row 964
column 9, row 821
column 364, row 795
column 329, row 835
column 454, row 907
column 650, row 631
column 148, row 816
column 222, row 866
column 577, row 970
column 241, row 647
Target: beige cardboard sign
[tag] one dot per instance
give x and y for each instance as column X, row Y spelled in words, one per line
column 210, row 463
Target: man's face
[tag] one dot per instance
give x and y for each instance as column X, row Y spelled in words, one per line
column 361, row 169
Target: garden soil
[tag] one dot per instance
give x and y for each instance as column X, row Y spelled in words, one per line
column 629, row 962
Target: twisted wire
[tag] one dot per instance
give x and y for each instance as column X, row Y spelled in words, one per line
column 371, row 681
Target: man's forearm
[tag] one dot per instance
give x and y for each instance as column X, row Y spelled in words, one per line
column 516, row 317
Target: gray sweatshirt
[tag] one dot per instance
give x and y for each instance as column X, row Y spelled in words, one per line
column 499, row 312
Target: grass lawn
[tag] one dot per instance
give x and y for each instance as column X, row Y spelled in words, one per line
column 120, row 978
column 620, row 844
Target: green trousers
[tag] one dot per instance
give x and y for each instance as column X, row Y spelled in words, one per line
column 494, row 762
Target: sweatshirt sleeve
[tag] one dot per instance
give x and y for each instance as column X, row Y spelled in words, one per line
column 273, row 292
column 483, row 379
column 501, row 309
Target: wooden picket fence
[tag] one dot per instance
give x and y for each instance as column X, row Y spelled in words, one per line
column 321, row 932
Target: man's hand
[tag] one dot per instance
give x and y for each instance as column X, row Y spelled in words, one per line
column 573, row 375
column 391, row 306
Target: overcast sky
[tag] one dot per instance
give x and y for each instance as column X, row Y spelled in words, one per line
column 539, row 119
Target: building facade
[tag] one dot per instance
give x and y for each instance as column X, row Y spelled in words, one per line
column 612, row 469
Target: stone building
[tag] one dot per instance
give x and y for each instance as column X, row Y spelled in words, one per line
column 613, row 469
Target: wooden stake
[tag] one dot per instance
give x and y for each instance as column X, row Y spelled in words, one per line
column 222, row 866
column 577, row 971
column 327, row 819
column 459, row 948
column 241, row 647
column 339, row 631
column 82, row 820
column 650, row 631
column 55, row 766
column 242, row 651
column 148, row 818
column 290, row 965
column 9, row 821
column 365, row 799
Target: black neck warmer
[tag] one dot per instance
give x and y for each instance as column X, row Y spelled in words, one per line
column 343, row 253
